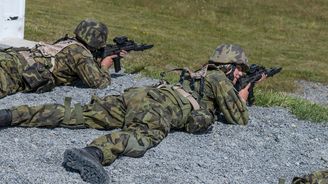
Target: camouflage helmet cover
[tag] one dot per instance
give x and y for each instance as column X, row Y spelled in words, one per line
column 92, row 33
column 230, row 54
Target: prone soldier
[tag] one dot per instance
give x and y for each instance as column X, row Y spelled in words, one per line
column 145, row 114
column 317, row 177
column 68, row 60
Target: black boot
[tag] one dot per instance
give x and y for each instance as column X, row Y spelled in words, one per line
column 5, row 117
column 87, row 162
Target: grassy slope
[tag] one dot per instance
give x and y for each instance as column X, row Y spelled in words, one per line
column 289, row 33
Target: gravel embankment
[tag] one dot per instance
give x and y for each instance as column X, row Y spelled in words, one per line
column 274, row 144
column 315, row 92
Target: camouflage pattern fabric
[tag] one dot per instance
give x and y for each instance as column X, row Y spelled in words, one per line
column 76, row 63
column 107, row 113
column 10, row 73
column 73, row 63
column 145, row 115
column 199, row 120
column 318, row 177
column 229, row 54
column 220, row 95
column 92, row 33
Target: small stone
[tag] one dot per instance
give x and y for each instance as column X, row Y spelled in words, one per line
column 177, row 168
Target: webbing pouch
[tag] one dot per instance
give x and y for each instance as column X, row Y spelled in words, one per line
column 77, row 115
column 156, row 95
column 38, row 78
column 67, row 114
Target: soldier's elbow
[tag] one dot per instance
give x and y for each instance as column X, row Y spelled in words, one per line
column 101, row 84
column 244, row 121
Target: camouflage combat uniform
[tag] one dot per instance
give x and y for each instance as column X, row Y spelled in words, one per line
column 145, row 115
column 34, row 70
column 317, row 177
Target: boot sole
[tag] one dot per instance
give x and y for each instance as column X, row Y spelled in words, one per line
column 90, row 171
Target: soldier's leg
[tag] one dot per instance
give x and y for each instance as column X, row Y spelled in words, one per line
column 146, row 125
column 107, row 113
column 47, row 116
column 145, row 128
column 10, row 75
column 133, row 141
column 105, row 149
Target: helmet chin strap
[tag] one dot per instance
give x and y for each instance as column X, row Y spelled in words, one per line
column 230, row 74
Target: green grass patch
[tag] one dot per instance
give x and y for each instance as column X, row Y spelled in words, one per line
column 303, row 109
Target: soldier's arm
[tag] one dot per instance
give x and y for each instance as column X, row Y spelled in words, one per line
column 229, row 102
column 82, row 63
column 93, row 75
column 86, row 67
column 199, row 121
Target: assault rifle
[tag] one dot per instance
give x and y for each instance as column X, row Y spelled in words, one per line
column 121, row 43
column 252, row 75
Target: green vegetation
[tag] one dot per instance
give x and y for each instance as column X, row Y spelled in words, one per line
column 303, row 109
column 289, row 33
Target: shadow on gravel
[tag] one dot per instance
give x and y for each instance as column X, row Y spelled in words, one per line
column 115, row 75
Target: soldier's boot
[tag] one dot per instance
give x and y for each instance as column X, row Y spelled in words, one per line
column 86, row 161
column 5, row 118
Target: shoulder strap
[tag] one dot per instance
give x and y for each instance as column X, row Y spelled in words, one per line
column 192, row 77
column 66, row 37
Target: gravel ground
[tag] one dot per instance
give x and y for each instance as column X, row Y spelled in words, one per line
column 315, row 92
column 274, row 144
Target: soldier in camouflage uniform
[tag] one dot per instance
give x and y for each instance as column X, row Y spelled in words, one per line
column 233, row 73
column 317, row 177
column 63, row 63
column 145, row 115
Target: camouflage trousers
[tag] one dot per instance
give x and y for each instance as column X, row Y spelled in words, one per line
column 318, row 177
column 145, row 120
column 10, row 74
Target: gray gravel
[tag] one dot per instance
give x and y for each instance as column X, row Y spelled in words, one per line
column 312, row 91
column 274, row 144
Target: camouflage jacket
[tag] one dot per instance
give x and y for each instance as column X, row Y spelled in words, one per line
column 220, row 99
column 72, row 63
column 77, row 63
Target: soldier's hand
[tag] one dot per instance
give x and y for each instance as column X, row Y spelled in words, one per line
column 107, row 62
column 264, row 76
column 243, row 93
column 123, row 53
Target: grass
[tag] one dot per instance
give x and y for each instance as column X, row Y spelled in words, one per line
column 288, row 33
column 303, row 109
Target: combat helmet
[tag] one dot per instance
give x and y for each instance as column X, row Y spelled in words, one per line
column 229, row 54
column 91, row 33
